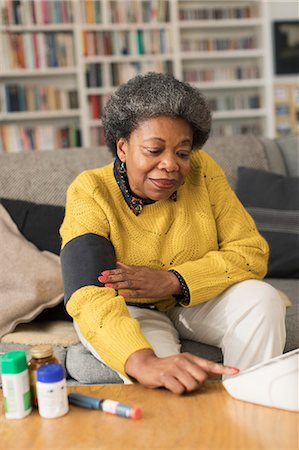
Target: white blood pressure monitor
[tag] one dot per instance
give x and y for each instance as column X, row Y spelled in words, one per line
column 272, row 383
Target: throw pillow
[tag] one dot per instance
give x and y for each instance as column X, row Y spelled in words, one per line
column 273, row 202
column 30, row 280
column 38, row 223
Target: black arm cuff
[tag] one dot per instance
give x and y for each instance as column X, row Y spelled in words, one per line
column 185, row 296
column 82, row 261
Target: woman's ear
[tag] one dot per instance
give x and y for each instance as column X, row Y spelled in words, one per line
column 121, row 148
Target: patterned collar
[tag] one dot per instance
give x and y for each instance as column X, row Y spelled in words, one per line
column 135, row 203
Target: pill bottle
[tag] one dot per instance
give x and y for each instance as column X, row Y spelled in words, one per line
column 41, row 354
column 51, row 391
column 15, row 381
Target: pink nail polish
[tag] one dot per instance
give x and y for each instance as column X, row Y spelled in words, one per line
column 106, row 272
column 102, row 279
column 108, row 285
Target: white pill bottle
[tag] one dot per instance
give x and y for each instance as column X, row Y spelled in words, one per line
column 15, row 381
column 51, row 391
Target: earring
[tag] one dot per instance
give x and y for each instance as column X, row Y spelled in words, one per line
column 122, row 168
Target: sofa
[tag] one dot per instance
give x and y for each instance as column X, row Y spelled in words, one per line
column 42, row 178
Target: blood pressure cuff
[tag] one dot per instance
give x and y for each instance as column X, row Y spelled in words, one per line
column 82, row 261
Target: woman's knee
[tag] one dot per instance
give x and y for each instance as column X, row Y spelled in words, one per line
column 265, row 298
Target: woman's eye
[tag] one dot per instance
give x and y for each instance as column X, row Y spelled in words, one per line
column 154, row 151
column 184, row 155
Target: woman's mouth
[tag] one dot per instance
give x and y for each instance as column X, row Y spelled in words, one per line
column 163, row 183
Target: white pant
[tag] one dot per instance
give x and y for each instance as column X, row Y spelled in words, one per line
column 247, row 321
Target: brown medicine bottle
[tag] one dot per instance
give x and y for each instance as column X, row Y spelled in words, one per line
column 41, row 354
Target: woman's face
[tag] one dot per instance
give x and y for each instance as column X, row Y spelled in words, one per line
column 157, row 156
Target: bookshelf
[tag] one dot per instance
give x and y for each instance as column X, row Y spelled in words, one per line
column 286, row 107
column 62, row 59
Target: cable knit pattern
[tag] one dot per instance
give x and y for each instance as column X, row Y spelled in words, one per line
column 206, row 236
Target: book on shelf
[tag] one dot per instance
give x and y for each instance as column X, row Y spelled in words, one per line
column 122, row 72
column 136, row 11
column 97, row 137
column 93, row 75
column 36, row 12
column 37, row 50
column 46, row 137
column 188, row 11
column 236, row 101
column 95, row 107
column 226, row 72
column 19, row 98
column 199, row 44
column 91, row 11
column 132, row 42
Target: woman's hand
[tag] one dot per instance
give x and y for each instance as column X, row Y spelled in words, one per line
column 179, row 373
column 140, row 281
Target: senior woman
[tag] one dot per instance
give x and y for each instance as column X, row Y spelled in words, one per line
column 156, row 247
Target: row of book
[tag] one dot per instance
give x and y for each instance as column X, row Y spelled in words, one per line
column 36, row 12
column 97, row 137
column 91, row 11
column 96, row 104
column 216, row 13
column 134, row 42
column 136, row 11
column 122, row 72
column 197, row 44
column 232, row 129
column 221, row 73
column 36, row 50
column 19, row 98
column 47, row 137
column 234, row 101
column 93, row 75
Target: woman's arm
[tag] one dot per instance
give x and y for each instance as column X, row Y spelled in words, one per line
column 101, row 315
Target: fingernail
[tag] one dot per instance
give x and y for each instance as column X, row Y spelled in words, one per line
column 234, row 369
column 108, row 285
column 122, row 294
column 102, row 279
column 106, row 272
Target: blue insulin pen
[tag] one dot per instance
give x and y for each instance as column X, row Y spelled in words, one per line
column 108, row 406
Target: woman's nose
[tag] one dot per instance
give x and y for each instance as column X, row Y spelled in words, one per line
column 169, row 163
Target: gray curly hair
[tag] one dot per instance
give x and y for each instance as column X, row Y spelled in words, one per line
column 152, row 95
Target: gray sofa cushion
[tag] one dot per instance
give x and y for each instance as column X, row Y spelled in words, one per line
column 289, row 146
column 291, row 289
column 85, row 368
column 273, row 202
column 43, row 177
column 235, row 151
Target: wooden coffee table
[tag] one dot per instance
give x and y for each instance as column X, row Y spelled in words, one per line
column 209, row 419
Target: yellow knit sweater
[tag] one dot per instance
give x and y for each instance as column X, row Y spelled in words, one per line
column 206, row 235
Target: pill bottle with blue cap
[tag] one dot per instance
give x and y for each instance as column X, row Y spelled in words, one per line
column 51, row 391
